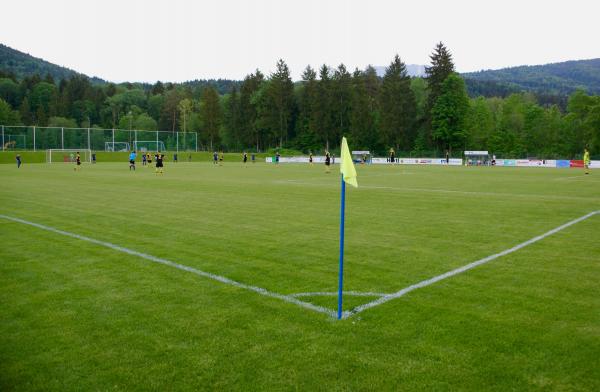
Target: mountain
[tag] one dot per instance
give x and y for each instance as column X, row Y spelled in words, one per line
column 412, row 69
column 22, row 64
column 554, row 79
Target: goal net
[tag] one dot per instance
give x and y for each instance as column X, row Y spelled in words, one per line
column 149, row 145
column 116, row 146
column 67, row 156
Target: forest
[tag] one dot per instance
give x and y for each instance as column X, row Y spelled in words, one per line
column 416, row 115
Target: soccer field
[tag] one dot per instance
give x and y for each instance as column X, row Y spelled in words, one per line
column 223, row 278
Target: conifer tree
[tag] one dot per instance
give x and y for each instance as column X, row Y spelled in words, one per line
column 398, row 107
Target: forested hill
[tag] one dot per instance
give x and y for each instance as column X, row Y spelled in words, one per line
column 22, row 64
column 557, row 79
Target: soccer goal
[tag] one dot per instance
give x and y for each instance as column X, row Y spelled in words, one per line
column 116, row 146
column 67, row 156
column 149, row 145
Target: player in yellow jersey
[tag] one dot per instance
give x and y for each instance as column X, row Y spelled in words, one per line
column 586, row 161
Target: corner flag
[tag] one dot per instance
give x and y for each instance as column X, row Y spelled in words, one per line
column 347, row 166
column 348, row 176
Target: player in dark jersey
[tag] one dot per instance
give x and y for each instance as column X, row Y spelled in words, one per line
column 245, row 157
column 159, row 162
column 327, row 161
column 215, row 158
column 310, row 158
column 77, row 162
column 18, row 161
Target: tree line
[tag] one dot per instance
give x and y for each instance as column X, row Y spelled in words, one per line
column 415, row 115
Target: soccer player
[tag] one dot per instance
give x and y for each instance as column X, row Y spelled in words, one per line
column 215, row 158
column 132, row 160
column 310, row 158
column 221, row 157
column 253, row 157
column 245, row 158
column 277, row 155
column 392, row 156
column 77, row 162
column 93, row 158
column 143, row 159
column 149, row 159
column 175, row 158
column 18, row 161
column 327, row 161
column 159, row 162
column 586, row 161
column 448, row 157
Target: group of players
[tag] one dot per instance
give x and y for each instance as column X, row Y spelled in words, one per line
column 147, row 160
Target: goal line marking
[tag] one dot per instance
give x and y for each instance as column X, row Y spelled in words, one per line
column 219, row 278
column 462, row 269
column 293, row 298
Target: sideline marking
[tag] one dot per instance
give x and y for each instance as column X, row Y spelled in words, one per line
column 293, row 297
column 462, row 269
column 169, row 263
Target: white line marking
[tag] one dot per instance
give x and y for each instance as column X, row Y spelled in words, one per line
column 434, row 190
column 462, row 269
column 169, row 263
column 335, row 293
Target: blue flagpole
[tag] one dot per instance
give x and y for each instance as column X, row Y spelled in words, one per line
column 341, row 279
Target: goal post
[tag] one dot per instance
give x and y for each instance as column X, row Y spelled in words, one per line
column 67, row 155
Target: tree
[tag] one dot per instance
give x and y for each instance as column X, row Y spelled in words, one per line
column 211, row 115
column 363, row 132
column 449, row 113
column 280, row 100
column 248, row 112
column 185, row 109
column 323, row 107
column 341, row 96
column 441, row 67
column 232, row 118
column 398, row 106
column 7, row 115
column 306, row 124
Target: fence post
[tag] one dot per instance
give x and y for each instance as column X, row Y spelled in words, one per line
column 34, row 138
column 3, row 138
column 89, row 145
column 113, row 140
column 196, row 133
column 177, row 141
column 134, row 140
column 62, row 138
column 156, row 141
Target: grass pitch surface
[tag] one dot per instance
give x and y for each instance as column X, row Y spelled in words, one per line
column 78, row 316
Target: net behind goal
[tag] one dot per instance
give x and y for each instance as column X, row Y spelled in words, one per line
column 67, row 156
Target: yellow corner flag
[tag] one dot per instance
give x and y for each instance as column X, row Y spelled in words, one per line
column 347, row 166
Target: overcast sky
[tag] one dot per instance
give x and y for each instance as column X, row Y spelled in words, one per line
column 177, row 40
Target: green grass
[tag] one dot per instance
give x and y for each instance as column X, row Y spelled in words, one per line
column 77, row 316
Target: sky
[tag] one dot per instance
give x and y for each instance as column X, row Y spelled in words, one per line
column 178, row 40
